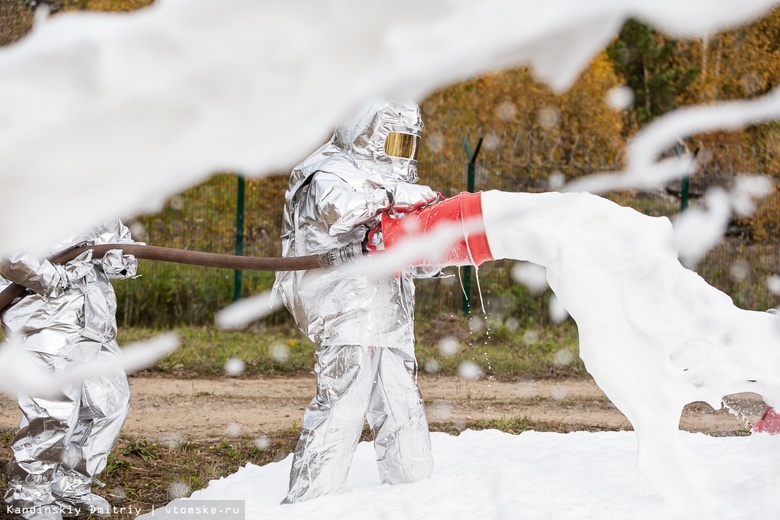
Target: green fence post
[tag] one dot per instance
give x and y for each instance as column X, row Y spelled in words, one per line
column 685, row 184
column 239, row 236
column 470, row 182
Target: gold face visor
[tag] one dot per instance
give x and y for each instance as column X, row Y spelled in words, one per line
column 402, row 145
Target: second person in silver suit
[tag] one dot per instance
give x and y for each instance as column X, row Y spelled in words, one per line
column 67, row 318
column 363, row 326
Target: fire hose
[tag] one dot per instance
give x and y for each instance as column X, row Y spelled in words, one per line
column 471, row 249
column 331, row 258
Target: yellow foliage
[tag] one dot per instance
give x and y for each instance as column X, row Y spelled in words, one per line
column 105, row 5
column 16, row 19
column 510, row 109
column 764, row 226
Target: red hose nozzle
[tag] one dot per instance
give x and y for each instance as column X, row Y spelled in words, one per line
column 464, row 208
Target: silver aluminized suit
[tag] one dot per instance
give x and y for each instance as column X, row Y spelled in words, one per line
column 68, row 317
column 363, row 327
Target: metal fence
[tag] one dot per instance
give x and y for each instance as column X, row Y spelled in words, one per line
column 206, row 216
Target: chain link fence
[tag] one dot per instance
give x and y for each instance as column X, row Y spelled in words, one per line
column 204, row 218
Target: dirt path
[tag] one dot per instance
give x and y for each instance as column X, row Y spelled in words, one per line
column 166, row 408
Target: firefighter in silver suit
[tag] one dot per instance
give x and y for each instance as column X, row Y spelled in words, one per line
column 363, row 327
column 67, row 317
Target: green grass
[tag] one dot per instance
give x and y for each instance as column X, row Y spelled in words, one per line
column 499, row 351
column 502, row 351
column 204, row 351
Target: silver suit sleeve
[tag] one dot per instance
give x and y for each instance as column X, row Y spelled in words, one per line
column 341, row 207
column 40, row 276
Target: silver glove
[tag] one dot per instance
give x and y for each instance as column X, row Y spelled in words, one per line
column 408, row 197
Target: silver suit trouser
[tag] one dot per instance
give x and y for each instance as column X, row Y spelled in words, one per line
column 355, row 384
column 63, row 442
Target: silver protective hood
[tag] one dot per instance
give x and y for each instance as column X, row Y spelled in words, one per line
column 361, row 143
column 364, row 137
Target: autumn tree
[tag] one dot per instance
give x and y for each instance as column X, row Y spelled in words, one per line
column 525, row 126
column 16, row 19
column 741, row 64
column 646, row 61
